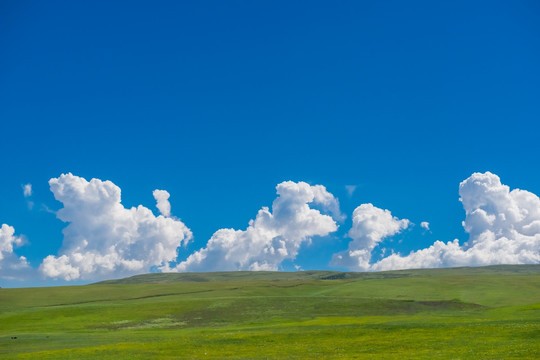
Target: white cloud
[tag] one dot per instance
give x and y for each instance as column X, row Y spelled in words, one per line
column 7, row 240
column 504, row 228
column 163, row 204
column 328, row 202
column 27, row 190
column 11, row 265
column 370, row 226
column 350, row 189
column 103, row 238
column 424, row 225
column 273, row 236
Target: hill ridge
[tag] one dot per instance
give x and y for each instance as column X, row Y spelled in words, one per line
column 228, row 276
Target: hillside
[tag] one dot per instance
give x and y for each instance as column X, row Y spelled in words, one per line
column 319, row 275
column 487, row 312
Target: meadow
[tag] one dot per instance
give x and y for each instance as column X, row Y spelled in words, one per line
column 459, row 313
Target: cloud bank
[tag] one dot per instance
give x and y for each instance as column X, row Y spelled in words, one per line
column 105, row 239
column 503, row 227
column 11, row 265
column 273, row 236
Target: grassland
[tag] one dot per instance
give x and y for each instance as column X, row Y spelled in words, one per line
column 462, row 313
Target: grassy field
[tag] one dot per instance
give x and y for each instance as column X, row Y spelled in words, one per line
column 462, row 313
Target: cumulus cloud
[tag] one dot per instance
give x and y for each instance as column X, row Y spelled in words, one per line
column 27, row 190
column 11, row 265
column 322, row 197
column 163, row 204
column 370, row 226
column 424, row 225
column 273, row 236
column 105, row 239
column 503, row 227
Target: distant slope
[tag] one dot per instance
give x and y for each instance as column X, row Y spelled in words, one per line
column 157, row 278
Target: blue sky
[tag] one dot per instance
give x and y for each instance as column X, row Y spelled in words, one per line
column 219, row 102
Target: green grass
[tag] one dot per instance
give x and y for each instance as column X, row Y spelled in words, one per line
column 461, row 313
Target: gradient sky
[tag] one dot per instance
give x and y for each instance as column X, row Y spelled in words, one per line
column 218, row 102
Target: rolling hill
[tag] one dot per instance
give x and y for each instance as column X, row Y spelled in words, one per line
column 484, row 312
